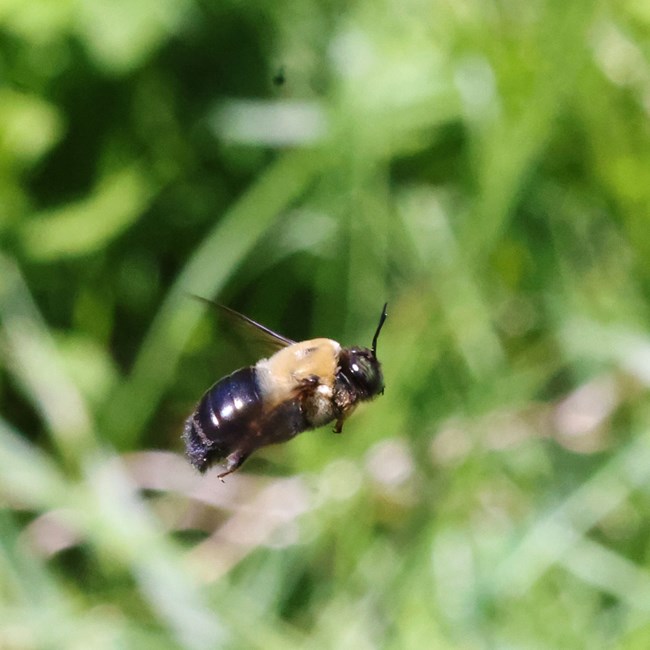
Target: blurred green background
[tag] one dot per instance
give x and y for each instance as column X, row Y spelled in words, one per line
column 482, row 165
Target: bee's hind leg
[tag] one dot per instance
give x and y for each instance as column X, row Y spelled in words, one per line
column 233, row 462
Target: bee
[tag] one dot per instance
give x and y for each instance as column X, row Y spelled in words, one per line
column 302, row 386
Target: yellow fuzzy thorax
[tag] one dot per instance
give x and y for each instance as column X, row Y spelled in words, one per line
column 285, row 371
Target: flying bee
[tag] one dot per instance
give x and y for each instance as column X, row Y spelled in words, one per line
column 303, row 386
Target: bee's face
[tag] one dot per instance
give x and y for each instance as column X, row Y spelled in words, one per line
column 362, row 370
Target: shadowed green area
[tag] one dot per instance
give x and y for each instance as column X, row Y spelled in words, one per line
column 482, row 166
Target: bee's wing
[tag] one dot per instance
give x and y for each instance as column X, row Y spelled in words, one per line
column 266, row 336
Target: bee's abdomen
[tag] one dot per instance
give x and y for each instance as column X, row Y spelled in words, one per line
column 223, row 415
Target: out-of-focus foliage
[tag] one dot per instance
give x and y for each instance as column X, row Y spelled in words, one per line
column 484, row 166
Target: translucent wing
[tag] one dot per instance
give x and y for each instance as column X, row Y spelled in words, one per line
column 261, row 334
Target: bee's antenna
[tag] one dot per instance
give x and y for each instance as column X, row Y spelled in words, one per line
column 382, row 319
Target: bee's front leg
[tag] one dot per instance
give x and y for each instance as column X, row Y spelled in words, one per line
column 345, row 414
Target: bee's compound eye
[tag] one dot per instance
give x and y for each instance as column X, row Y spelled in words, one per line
column 364, row 371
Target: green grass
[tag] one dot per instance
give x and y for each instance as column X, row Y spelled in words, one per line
column 483, row 166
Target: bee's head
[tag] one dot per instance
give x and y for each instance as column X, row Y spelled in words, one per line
column 362, row 371
column 361, row 368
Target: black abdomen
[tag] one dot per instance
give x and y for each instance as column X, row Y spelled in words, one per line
column 224, row 415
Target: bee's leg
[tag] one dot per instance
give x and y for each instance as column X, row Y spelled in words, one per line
column 345, row 414
column 233, row 462
column 310, row 381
